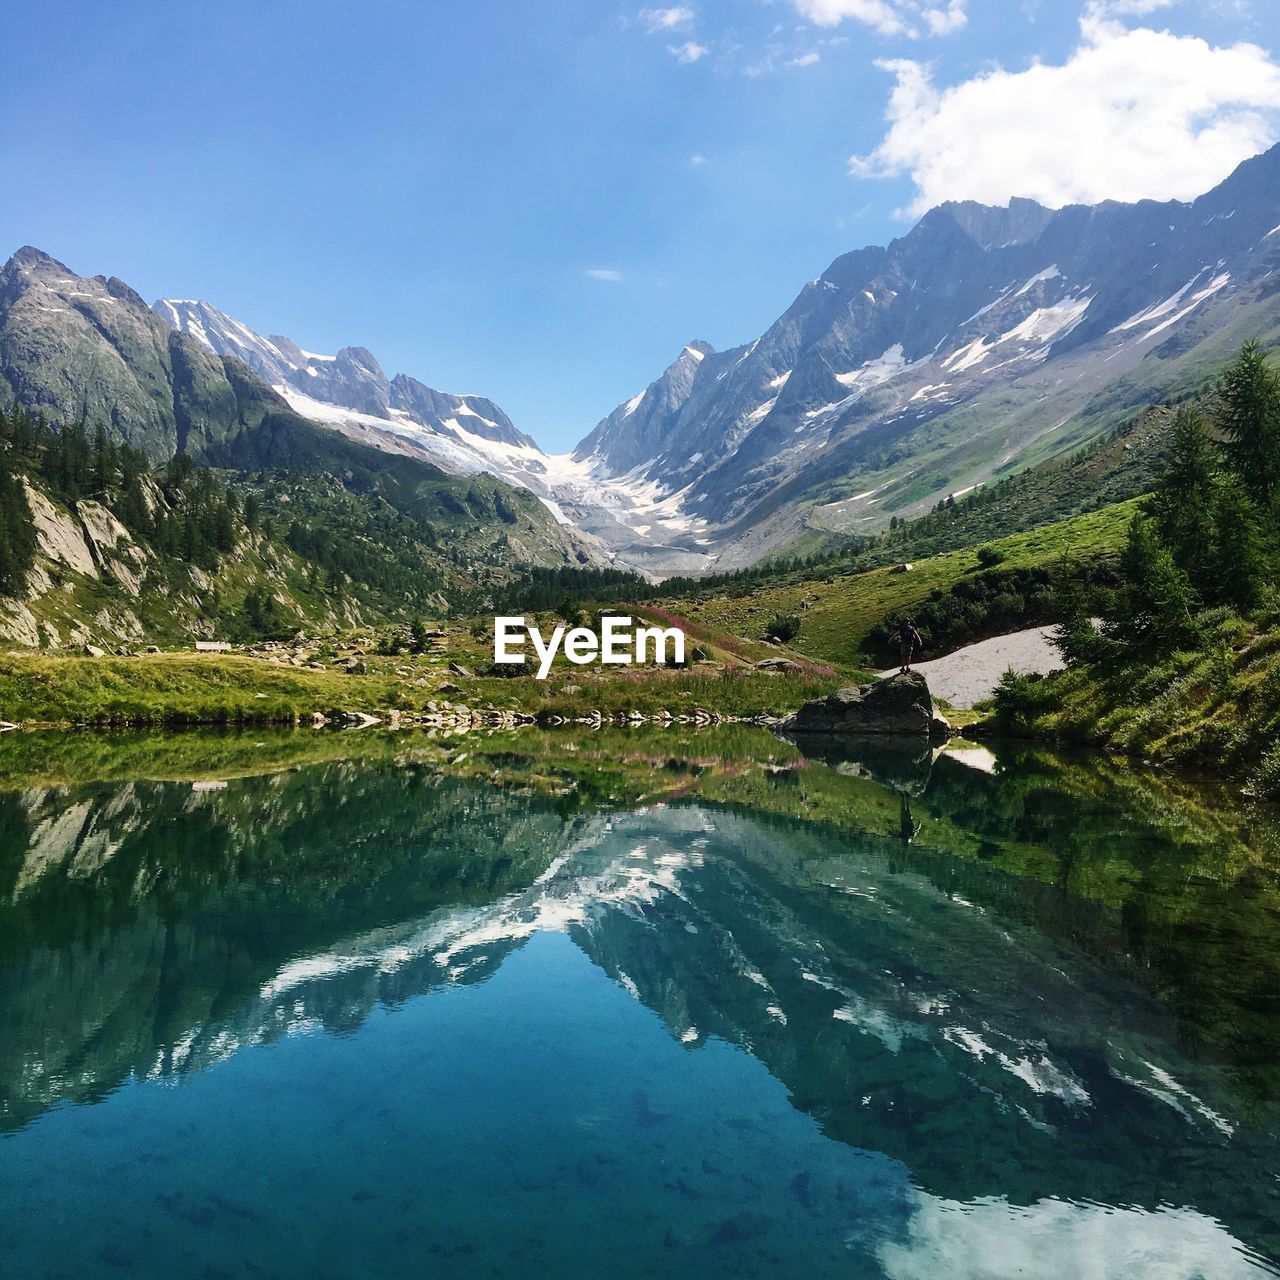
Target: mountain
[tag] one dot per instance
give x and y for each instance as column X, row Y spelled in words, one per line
column 113, row 548
column 618, row 517
column 353, row 379
column 983, row 340
column 301, row 529
column 89, row 349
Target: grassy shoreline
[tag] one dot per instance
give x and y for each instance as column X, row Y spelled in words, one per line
column 40, row 690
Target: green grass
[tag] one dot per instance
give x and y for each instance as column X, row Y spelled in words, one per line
column 229, row 689
column 171, row 688
column 838, row 613
column 1215, row 708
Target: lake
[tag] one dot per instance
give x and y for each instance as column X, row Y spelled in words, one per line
column 630, row 1004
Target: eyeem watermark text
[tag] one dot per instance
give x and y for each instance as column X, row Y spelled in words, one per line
column 618, row 643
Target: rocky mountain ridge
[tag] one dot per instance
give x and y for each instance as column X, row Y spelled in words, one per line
column 982, row 341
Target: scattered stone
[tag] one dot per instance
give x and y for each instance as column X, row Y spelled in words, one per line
column 459, row 670
column 92, row 651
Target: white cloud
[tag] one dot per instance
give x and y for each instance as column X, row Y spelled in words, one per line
column 910, row 18
column 656, row 20
column 607, row 274
column 805, row 60
column 688, row 52
column 696, row 162
column 942, row 22
column 991, row 1238
column 1127, row 8
column 1131, row 114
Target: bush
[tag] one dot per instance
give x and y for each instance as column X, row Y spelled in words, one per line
column 784, row 627
column 989, row 557
column 1020, row 701
column 1264, row 782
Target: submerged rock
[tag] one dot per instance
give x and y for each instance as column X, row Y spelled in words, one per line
column 899, row 704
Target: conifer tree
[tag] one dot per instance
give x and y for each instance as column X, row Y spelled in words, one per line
column 1238, row 560
column 1249, row 415
column 1162, row 602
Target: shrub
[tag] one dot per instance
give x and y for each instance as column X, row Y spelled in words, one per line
column 1264, row 782
column 784, row 627
column 1020, row 701
column 989, row 557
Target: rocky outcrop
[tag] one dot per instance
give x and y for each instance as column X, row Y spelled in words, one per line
column 900, row 705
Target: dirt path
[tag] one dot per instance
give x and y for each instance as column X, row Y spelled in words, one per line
column 970, row 674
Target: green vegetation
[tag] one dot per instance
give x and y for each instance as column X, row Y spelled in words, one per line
column 845, row 618
column 236, row 689
column 308, row 530
column 1185, row 667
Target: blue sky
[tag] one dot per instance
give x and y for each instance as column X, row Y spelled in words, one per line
column 542, row 202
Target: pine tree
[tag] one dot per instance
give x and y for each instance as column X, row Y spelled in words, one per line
column 103, row 462
column 1238, row 563
column 1162, row 602
column 1184, row 498
column 1249, row 415
column 17, row 533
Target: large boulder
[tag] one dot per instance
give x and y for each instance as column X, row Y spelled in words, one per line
column 900, row 704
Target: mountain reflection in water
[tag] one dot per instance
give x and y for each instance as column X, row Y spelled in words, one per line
column 809, row 1015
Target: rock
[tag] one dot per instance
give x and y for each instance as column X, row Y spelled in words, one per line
column 459, row 670
column 902, row 568
column 353, row 719
column 153, row 648
column 900, row 704
column 448, row 687
column 357, row 668
column 92, row 651
column 777, row 665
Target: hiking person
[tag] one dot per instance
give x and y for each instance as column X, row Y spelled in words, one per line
column 909, row 643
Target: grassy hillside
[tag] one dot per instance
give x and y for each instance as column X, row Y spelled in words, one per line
column 321, row 534
column 839, row 614
column 1214, row 707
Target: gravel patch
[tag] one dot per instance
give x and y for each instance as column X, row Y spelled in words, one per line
column 971, row 674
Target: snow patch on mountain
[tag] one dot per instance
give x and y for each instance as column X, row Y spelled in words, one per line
column 874, row 372
column 1173, row 304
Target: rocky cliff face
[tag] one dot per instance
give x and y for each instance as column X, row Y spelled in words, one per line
column 79, row 553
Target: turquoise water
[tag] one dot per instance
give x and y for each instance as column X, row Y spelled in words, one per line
column 367, row 1019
